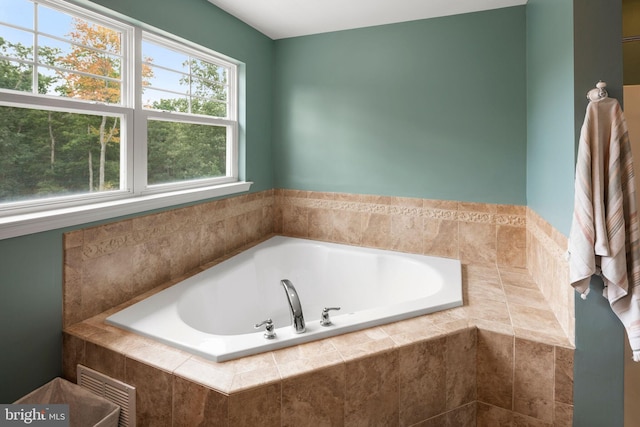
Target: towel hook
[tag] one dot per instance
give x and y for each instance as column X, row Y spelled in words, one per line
column 599, row 92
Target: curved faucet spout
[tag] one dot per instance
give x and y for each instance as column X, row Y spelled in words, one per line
column 294, row 305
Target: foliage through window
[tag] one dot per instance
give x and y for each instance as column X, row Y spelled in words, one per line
column 87, row 115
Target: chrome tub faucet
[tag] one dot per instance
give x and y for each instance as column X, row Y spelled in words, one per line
column 294, row 306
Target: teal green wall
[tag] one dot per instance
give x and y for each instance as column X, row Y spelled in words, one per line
column 550, row 111
column 31, row 266
column 479, row 107
column 30, row 313
column 570, row 46
column 433, row 108
column 599, row 359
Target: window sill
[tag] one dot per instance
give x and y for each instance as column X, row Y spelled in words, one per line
column 20, row 225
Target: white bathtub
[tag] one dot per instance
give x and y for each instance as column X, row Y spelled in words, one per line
column 213, row 313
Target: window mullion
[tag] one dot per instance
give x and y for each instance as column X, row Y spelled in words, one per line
column 139, row 141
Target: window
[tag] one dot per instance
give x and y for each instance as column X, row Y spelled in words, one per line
column 93, row 110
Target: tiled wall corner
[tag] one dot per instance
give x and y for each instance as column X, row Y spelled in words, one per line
column 523, row 382
column 473, row 232
column 547, row 264
column 154, row 249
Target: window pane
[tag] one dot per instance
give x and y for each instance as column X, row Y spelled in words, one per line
column 16, row 43
column 164, row 57
column 183, row 151
column 204, row 83
column 83, row 32
column 15, row 76
column 49, row 153
column 208, row 108
column 208, row 89
column 160, row 100
column 17, row 12
column 168, row 80
column 89, row 88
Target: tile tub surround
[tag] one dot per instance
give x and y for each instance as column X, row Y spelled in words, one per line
column 505, row 316
column 501, row 358
column 109, row 264
column 548, row 264
column 471, row 232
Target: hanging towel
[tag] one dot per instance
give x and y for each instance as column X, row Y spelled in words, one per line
column 605, row 237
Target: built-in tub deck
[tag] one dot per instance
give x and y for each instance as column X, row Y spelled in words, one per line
column 498, row 302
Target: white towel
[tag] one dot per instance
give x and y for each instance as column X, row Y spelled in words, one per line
column 605, row 237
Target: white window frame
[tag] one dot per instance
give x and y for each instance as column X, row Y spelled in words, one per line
column 134, row 195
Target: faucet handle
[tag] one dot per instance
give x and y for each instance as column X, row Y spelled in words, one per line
column 268, row 326
column 324, row 317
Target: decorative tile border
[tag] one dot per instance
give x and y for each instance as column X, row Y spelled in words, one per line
column 407, row 211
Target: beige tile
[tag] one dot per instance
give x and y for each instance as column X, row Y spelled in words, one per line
column 515, row 210
column 520, row 420
column 311, row 362
column 463, row 416
column 493, row 416
column 440, row 238
column 106, row 281
column 477, row 242
column 486, row 289
column 195, row 405
column 376, row 230
column 347, row 228
column 156, row 255
column 563, row 415
column 295, row 221
column 303, row 351
column 316, row 398
column 371, row 396
column 73, row 354
column 73, row 239
column 517, row 277
column 418, row 327
column 488, row 309
column 406, row 233
column 320, row 224
column 495, row 369
column 108, row 231
column 551, row 337
column 533, row 385
column 212, row 241
column 72, row 287
column 461, row 368
column 511, row 246
column 185, row 252
column 472, row 272
column 422, row 380
column 537, row 319
column 154, row 393
column 106, row 361
column 157, row 355
column 525, row 296
column 564, row 375
column 206, row 373
column 497, row 327
column 359, row 344
column 259, row 406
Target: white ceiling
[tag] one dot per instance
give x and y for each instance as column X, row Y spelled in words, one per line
column 291, row 18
